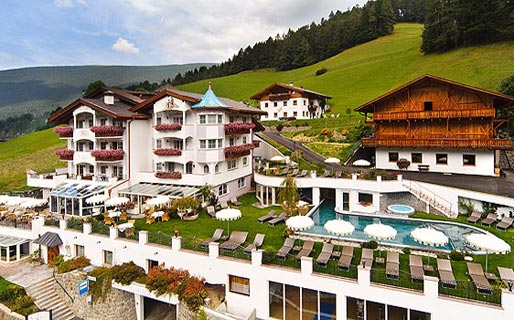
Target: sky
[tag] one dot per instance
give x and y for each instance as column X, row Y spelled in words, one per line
column 145, row 32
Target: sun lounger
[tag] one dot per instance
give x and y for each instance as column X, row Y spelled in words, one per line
column 224, row 205
column 490, row 219
column 216, row 236
column 346, row 257
column 256, row 244
column 286, row 248
column 367, row 258
column 476, row 273
column 235, row 202
column 444, row 267
column 211, row 211
column 505, row 223
column 270, row 215
column 302, row 174
column 293, row 173
column 474, row 217
column 393, row 265
column 416, row 268
column 507, row 276
column 281, row 218
column 306, row 250
column 283, row 172
column 237, row 238
column 326, row 253
column 327, row 173
column 338, row 174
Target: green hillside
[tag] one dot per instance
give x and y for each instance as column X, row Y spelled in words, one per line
column 362, row 73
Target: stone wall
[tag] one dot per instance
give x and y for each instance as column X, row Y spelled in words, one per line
column 117, row 304
column 7, row 314
column 406, row 198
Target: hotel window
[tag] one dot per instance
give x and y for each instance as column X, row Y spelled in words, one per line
column 265, row 105
column 365, row 198
column 152, row 264
column 295, row 114
column 211, row 118
column 159, row 166
column 103, row 121
column 91, row 169
column 202, row 119
column 158, row 143
column 232, row 164
column 103, row 145
column 285, row 114
column 231, row 142
column 241, row 183
column 239, row 285
column 468, row 159
column 284, row 103
column 231, row 119
column 223, row 190
column 244, row 119
column 205, row 169
column 158, row 120
column 108, row 257
column 393, row 156
column 245, row 161
column 295, row 102
column 217, row 168
column 427, row 106
column 202, row 144
column 79, row 251
column 275, row 115
column 441, row 158
column 244, row 140
column 304, row 102
column 275, row 104
column 211, row 144
column 103, row 169
column 416, row 157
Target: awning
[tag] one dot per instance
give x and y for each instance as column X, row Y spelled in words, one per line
column 157, row 189
column 79, row 189
column 7, row 241
column 49, row 239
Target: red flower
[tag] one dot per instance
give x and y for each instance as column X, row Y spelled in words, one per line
column 65, row 154
column 238, row 151
column 238, row 127
column 168, row 175
column 168, row 127
column 107, row 131
column 167, row 152
column 64, row 132
column 108, row 155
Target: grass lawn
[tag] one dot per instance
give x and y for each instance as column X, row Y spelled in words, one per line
column 328, row 149
column 3, row 284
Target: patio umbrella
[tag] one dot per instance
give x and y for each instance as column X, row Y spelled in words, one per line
column 299, row 223
column 157, row 201
column 380, row 231
column 339, row 227
column 116, row 201
column 429, row 237
column 332, row 161
column 32, row 203
column 361, row 163
column 227, row 215
column 4, row 198
column 15, row 201
column 487, row 243
column 277, row 159
column 99, row 198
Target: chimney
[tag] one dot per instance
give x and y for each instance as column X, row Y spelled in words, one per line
column 109, row 97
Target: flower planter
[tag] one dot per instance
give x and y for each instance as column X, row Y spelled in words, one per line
column 169, row 175
column 168, row 127
column 65, row 154
column 238, row 151
column 168, row 152
column 64, row 132
column 238, row 128
column 108, row 155
column 256, row 143
column 107, row 131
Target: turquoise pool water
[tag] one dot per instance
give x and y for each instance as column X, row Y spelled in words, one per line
column 455, row 232
column 401, row 208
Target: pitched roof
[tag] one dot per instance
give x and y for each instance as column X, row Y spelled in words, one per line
column 49, row 239
column 130, row 97
column 288, row 87
column 368, row 106
column 209, row 100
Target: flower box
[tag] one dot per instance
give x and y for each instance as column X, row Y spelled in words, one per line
column 107, row 131
column 64, row 132
column 168, row 152
column 65, row 154
column 108, row 155
column 256, row 143
column 238, row 127
column 238, row 151
column 169, row 175
column 168, row 127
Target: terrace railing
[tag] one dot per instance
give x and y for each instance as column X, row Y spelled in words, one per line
column 52, row 222
column 194, row 244
column 332, row 269
column 404, row 280
column 467, row 291
column 132, row 236
column 159, row 237
column 75, row 223
column 99, row 227
column 270, row 258
column 236, row 254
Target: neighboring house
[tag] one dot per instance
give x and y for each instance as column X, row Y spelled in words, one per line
column 282, row 101
column 439, row 125
column 170, row 143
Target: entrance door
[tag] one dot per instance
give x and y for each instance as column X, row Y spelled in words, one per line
column 52, row 252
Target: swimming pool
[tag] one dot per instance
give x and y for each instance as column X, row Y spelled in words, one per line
column 454, row 231
column 401, row 208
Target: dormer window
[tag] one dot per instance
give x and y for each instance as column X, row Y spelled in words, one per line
column 427, row 106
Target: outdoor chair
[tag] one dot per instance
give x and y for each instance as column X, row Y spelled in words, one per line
column 302, row 174
column 281, row 218
column 270, row 215
column 416, row 268
column 507, row 276
column 256, row 244
column 216, row 236
column 235, row 202
column 236, row 239
column 327, row 173
column 367, row 257
column 444, row 267
column 285, row 249
column 150, row 219
column 477, row 275
column 505, row 223
column 326, row 253
column 489, row 220
column 123, row 216
column 474, row 217
column 294, row 172
column 108, row 221
column 393, row 265
column 306, row 251
column 283, row 172
column 165, row 216
column 338, row 174
column 211, row 211
column 346, row 258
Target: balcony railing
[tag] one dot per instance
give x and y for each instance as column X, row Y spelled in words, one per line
column 64, row 132
column 434, row 114
column 108, row 155
column 167, row 152
column 168, row 127
column 503, row 144
column 238, row 127
column 238, row 151
column 107, row 131
column 168, row 175
column 65, row 154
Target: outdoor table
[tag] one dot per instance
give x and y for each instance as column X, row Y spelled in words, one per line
column 428, row 268
column 490, row 276
column 124, row 226
column 157, row 214
column 336, row 254
column 380, row 260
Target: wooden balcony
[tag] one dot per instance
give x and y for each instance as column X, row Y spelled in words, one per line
column 502, row 144
column 435, row 114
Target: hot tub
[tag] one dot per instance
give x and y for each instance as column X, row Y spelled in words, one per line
column 401, row 209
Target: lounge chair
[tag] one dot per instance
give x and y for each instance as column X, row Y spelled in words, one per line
column 416, row 268
column 302, row 174
column 444, row 267
column 367, row 258
column 293, row 173
column 165, row 216
column 284, row 171
column 270, row 215
column 235, row 202
column 211, row 211
column 507, row 276
column 326, row 253
column 286, row 248
column 216, row 236
column 338, row 174
column 123, row 216
column 505, row 223
column 489, row 220
column 393, row 265
column 150, row 220
column 327, row 173
column 224, row 205
column 476, row 273
column 346, row 257
column 306, row 251
column 237, row 238
column 474, row 217
column 256, row 244
column 281, row 218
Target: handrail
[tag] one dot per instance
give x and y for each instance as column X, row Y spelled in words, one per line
column 470, row 142
column 435, row 198
column 62, row 287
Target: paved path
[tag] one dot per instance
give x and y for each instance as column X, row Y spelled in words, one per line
column 25, row 274
column 292, row 145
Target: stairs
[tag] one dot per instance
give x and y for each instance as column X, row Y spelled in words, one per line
column 46, row 298
column 431, row 199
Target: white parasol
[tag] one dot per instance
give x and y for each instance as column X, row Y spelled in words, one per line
column 157, row 201
column 488, row 243
column 332, row 160
column 32, row 203
column 99, row 198
column 227, row 215
column 339, row 227
column 4, row 198
column 116, row 201
column 277, row 159
column 299, row 223
column 380, row 231
column 15, row 201
column 429, row 237
column 361, row 163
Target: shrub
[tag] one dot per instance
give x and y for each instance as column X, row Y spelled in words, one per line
column 325, row 132
column 127, row 273
column 403, row 163
column 279, row 127
column 103, row 283
column 321, row 71
column 79, row 263
column 58, row 260
column 24, row 305
column 75, row 223
column 406, row 250
column 12, row 292
column 456, row 255
column 370, row 245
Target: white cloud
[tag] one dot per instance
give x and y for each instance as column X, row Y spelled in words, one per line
column 122, row 45
column 69, row 3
